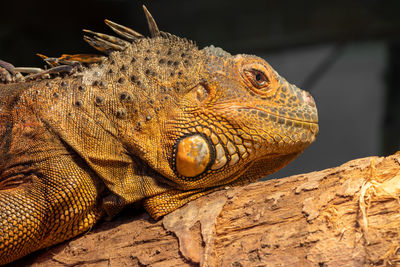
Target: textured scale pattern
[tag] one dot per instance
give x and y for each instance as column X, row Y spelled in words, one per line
column 155, row 120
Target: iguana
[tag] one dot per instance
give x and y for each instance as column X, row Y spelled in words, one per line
column 157, row 121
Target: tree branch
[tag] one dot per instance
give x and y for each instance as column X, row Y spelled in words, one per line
column 343, row 216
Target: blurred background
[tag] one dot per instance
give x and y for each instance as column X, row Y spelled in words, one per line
column 346, row 53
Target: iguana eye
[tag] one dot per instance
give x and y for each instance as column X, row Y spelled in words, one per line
column 257, row 78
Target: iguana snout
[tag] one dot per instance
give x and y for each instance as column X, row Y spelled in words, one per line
column 307, row 98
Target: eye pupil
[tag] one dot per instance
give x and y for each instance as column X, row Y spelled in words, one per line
column 257, row 78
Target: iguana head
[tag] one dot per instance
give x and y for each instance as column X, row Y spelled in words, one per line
column 235, row 113
column 216, row 115
column 234, row 122
column 200, row 118
column 220, row 119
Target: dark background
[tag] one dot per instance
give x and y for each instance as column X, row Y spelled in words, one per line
column 347, row 53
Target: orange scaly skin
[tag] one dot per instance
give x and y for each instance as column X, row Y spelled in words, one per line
column 158, row 120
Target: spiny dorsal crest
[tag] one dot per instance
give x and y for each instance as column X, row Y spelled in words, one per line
column 104, row 43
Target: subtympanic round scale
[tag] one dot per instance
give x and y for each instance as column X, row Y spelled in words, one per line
column 193, row 156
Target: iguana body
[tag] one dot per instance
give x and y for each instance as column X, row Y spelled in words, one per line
column 157, row 121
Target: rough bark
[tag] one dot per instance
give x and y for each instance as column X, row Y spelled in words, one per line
column 343, row 216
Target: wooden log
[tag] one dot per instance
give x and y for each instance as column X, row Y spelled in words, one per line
column 343, row 216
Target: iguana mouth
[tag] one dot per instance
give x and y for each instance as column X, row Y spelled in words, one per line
column 276, row 117
column 311, row 124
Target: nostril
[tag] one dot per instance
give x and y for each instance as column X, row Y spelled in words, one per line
column 308, row 99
